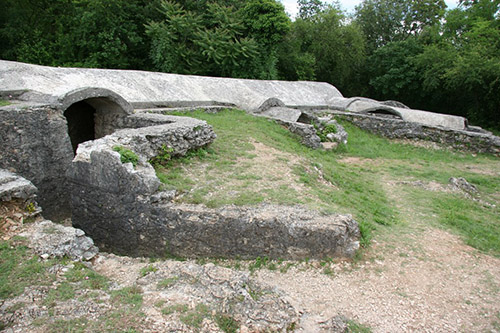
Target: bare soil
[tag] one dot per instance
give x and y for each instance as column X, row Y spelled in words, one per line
column 422, row 279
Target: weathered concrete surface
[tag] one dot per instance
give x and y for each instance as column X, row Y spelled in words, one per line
column 368, row 106
column 282, row 113
column 399, row 129
column 147, row 87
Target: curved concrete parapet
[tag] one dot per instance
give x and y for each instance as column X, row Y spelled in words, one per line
column 433, row 119
column 367, row 106
column 148, row 87
column 144, row 89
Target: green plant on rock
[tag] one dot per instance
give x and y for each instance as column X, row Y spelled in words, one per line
column 127, row 155
column 30, row 208
column 163, row 156
column 324, row 131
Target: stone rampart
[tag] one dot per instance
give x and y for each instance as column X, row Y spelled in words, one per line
column 399, row 129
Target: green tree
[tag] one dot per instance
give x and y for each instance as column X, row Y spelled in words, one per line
column 218, row 40
column 325, row 47
column 385, row 21
column 105, row 33
column 267, row 23
column 90, row 33
column 392, row 72
column 310, row 8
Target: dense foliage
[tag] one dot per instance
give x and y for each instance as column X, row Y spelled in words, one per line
column 414, row 51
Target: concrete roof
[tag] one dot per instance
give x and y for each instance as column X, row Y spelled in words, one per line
column 145, row 89
column 141, row 86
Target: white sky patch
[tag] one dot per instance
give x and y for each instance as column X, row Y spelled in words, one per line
column 292, row 9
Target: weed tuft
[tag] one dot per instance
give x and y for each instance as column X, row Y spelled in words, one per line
column 127, row 155
column 131, row 296
column 147, row 269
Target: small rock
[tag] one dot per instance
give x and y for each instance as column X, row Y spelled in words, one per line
column 49, row 239
column 463, row 185
column 337, row 324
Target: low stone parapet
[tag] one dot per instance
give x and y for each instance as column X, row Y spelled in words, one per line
column 122, row 206
column 473, row 141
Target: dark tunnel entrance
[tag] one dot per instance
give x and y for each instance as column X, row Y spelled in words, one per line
column 81, row 123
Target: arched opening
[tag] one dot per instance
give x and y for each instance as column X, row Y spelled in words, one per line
column 305, row 119
column 385, row 113
column 92, row 113
column 81, row 123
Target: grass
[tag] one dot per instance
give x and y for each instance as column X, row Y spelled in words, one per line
column 226, row 173
column 73, row 325
column 227, row 323
column 478, row 225
column 180, row 308
column 355, row 327
column 86, row 277
column 147, row 269
column 19, row 268
column 168, row 282
column 4, row 102
column 131, row 296
column 63, row 292
column 195, row 317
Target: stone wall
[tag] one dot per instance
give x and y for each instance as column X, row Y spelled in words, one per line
column 124, row 210
column 35, row 144
column 400, row 129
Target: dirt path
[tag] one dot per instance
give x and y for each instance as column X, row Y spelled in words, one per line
column 437, row 285
column 416, row 278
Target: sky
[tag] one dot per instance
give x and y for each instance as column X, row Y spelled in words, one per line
column 291, row 5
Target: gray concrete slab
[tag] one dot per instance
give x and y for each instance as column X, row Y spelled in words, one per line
column 144, row 89
column 140, row 86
